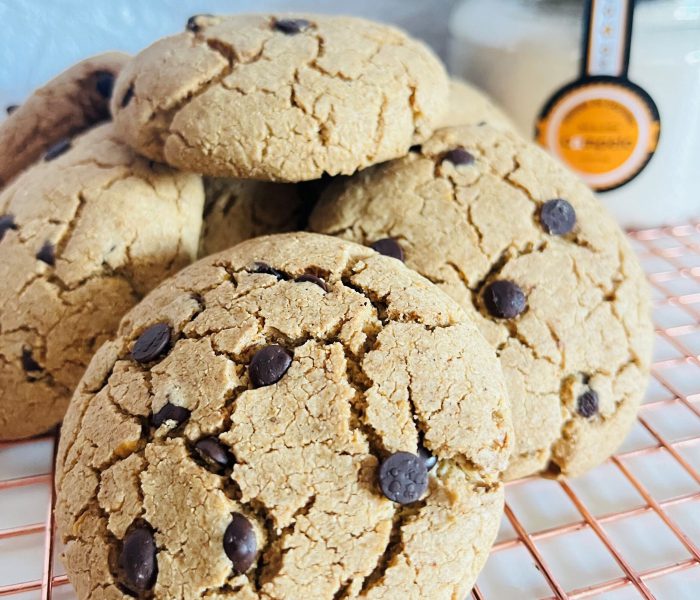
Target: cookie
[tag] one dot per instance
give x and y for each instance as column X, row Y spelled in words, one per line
column 296, row 417
column 530, row 253
column 83, row 236
column 284, row 98
column 470, row 106
column 236, row 210
column 67, row 105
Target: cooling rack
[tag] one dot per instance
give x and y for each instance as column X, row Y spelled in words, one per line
column 628, row 529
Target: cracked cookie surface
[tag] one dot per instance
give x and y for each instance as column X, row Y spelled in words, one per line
column 83, row 237
column 72, row 102
column 236, row 210
column 574, row 333
column 246, row 96
column 266, row 413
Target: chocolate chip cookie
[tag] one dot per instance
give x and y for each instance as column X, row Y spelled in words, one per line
column 470, row 106
column 285, row 98
column 526, row 249
column 84, row 234
column 296, row 417
column 236, row 210
column 67, row 105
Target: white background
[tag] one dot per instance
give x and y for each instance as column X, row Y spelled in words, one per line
column 40, row 38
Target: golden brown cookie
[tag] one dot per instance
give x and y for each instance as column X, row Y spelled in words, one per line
column 296, row 417
column 236, row 210
column 470, row 106
column 527, row 249
column 83, row 236
column 279, row 97
column 67, row 105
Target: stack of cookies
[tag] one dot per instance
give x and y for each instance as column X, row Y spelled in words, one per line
column 327, row 413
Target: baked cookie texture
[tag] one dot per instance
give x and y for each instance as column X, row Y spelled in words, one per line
column 236, row 210
column 257, row 392
column 474, row 207
column 67, row 105
column 83, row 237
column 470, row 106
column 279, row 97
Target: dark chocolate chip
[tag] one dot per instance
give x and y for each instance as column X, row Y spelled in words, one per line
column 240, row 543
column 192, row 24
column 137, row 560
column 171, row 412
column 557, row 216
column 47, row 254
column 213, row 452
column 28, row 362
column 504, row 299
column 128, row 96
column 152, row 343
column 261, row 267
column 417, row 148
column 269, row 365
column 458, row 157
column 403, row 477
column 7, row 222
column 104, row 83
column 425, row 455
column 57, row 149
column 292, row 26
column 587, row 404
column 10, row 108
column 389, row 247
column 309, row 277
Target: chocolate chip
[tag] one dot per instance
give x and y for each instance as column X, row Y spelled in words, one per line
column 312, row 279
column 128, row 96
column 10, row 108
column 57, row 149
column 28, row 362
column 152, row 343
column 389, row 247
column 104, row 83
column 587, row 404
column 171, row 412
column 240, row 543
column 137, row 560
column 292, row 26
column 261, row 267
column 7, row 222
column 504, row 299
column 192, row 24
column 557, row 216
column 417, row 148
column 458, row 157
column 47, row 254
column 425, row 455
column 269, row 365
column 213, row 452
column 403, row 477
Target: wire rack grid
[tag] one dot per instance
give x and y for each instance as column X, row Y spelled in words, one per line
column 628, row 529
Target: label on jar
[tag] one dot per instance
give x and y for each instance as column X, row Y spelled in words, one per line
column 602, row 125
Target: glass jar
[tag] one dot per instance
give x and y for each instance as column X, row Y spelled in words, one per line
column 524, row 51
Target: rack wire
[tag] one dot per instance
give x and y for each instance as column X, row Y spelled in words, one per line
column 628, row 529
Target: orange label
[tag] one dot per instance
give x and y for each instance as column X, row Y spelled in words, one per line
column 605, row 131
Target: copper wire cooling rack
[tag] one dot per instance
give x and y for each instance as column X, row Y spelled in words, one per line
column 628, row 529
